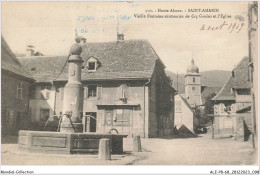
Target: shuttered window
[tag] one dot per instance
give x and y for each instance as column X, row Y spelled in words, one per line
column 99, row 92
column 92, row 91
column 122, row 91
column 19, row 92
column 33, row 92
column 85, row 93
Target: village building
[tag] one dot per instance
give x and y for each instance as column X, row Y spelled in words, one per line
column 15, row 87
column 124, row 88
column 184, row 114
column 234, row 96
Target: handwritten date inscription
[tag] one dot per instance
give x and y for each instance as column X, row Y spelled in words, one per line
column 231, row 27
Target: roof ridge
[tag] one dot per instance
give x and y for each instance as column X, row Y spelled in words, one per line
column 96, row 42
column 222, row 88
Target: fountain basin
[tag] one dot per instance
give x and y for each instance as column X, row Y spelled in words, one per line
column 67, row 143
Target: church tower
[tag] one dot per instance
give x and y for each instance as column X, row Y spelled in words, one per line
column 193, row 85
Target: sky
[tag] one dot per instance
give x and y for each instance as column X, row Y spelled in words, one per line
column 50, row 27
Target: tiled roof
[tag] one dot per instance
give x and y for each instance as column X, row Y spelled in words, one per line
column 206, row 91
column 129, row 59
column 10, row 63
column 238, row 81
column 44, row 68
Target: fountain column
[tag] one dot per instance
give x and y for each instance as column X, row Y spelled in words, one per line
column 73, row 93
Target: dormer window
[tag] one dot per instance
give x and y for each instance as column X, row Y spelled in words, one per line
column 93, row 64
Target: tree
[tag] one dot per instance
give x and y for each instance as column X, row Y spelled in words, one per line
column 208, row 110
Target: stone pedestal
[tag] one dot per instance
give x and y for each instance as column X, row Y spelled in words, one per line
column 104, row 149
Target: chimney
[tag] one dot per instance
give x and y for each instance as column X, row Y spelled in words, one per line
column 120, row 37
column 29, row 50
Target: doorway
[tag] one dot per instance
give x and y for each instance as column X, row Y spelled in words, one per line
column 44, row 114
column 91, row 121
column 18, row 122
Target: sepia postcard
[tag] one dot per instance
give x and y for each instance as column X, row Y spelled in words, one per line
column 129, row 83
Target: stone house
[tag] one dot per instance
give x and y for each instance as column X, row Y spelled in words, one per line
column 15, row 86
column 125, row 88
column 234, row 95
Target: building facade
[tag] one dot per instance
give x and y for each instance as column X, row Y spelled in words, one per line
column 125, row 88
column 234, row 95
column 15, row 87
column 184, row 114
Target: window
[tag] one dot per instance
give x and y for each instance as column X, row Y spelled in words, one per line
column 19, row 93
column 178, row 109
column 92, row 66
column 193, row 89
column 122, row 92
column 99, row 92
column 33, row 92
column 193, row 80
column 92, row 91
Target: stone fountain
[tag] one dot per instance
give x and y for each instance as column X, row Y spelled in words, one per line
column 70, row 138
